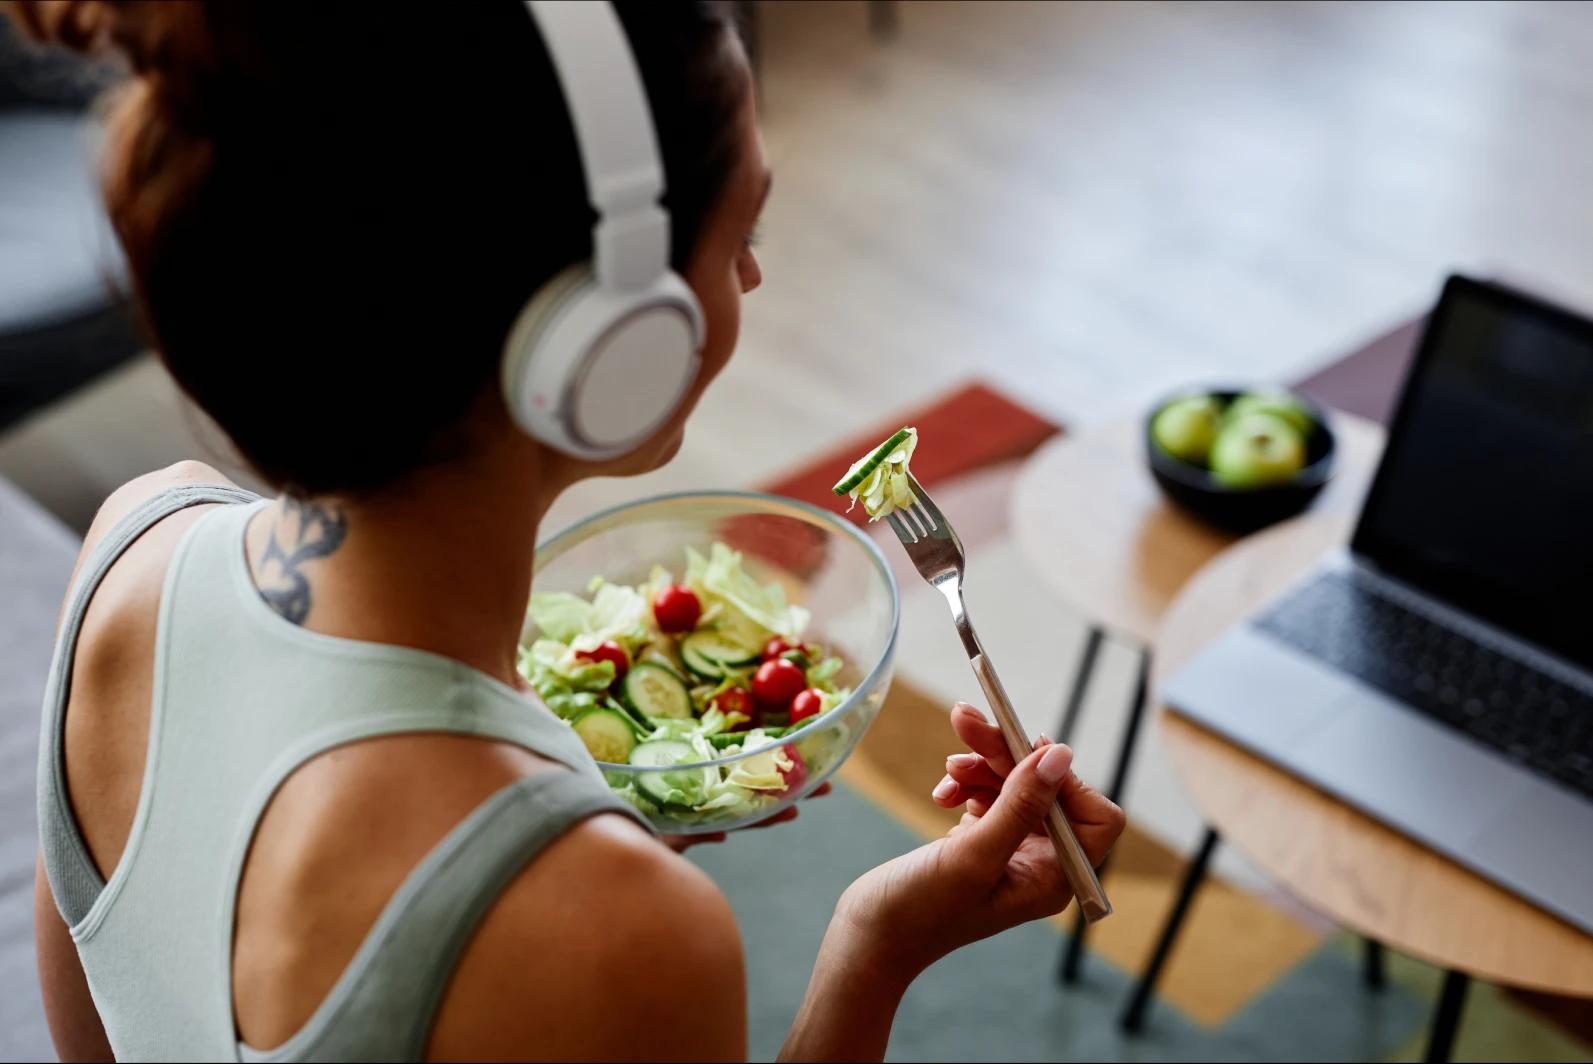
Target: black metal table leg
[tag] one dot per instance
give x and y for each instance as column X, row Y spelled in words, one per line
column 1372, row 969
column 1133, row 1018
column 1073, row 953
column 1136, row 712
column 1081, row 684
column 1446, row 1021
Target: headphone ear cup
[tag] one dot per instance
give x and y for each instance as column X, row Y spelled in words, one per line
column 592, row 372
column 532, row 324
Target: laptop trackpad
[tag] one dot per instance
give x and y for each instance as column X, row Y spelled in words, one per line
column 1423, row 777
column 1538, row 843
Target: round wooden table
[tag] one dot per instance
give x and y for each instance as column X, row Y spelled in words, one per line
column 1096, row 528
column 1343, row 864
column 1099, row 532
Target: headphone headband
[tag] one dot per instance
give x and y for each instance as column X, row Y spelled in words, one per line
column 607, row 104
column 605, row 352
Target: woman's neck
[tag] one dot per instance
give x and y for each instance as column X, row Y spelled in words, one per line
column 442, row 565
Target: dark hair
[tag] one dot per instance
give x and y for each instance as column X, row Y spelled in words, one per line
column 333, row 212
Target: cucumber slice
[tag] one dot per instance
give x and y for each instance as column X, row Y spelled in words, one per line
column 708, row 653
column 724, row 739
column 661, row 753
column 607, row 733
column 713, row 657
column 700, row 666
column 654, row 691
column 674, row 789
column 639, row 723
column 868, row 463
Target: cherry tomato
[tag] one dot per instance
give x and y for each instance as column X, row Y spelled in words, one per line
column 777, row 646
column 677, row 608
column 809, row 703
column 611, row 652
column 776, row 683
column 736, row 700
column 797, row 774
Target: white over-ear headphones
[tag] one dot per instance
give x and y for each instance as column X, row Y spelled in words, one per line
column 604, row 353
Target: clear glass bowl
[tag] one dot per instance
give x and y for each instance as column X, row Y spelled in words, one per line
column 825, row 564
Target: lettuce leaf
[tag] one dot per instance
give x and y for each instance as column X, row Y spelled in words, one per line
column 822, row 674
column 763, row 771
column 615, row 613
column 559, row 615
column 564, row 683
column 743, row 609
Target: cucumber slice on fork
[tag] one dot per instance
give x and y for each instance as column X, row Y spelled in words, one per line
column 868, row 463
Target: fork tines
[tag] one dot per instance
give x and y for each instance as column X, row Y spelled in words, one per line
column 911, row 524
column 918, row 521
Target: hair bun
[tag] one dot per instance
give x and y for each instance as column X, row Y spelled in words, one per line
column 81, row 25
column 168, row 45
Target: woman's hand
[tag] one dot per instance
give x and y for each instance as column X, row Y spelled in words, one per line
column 680, row 843
column 994, row 870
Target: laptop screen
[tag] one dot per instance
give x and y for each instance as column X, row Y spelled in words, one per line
column 1484, row 497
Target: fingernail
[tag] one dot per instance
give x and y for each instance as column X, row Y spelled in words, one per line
column 1043, row 740
column 944, row 788
column 1054, row 764
column 970, row 709
column 962, row 760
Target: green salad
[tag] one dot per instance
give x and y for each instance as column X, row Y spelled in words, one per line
column 671, row 674
column 880, row 480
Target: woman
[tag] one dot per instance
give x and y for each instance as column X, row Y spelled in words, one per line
column 295, row 802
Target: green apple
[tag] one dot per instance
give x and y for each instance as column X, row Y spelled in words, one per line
column 1257, row 450
column 1277, row 403
column 1186, row 428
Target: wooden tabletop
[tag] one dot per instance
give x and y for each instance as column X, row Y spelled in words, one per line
column 1096, row 528
column 1345, row 865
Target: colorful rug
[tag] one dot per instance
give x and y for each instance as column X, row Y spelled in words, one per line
column 1248, row 980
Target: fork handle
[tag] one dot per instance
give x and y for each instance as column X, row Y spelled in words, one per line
column 1075, row 864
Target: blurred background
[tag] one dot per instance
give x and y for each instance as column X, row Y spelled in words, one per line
column 1085, row 204
column 1011, row 221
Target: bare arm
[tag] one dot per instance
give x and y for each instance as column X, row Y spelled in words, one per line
column 994, row 870
column 850, row 1005
column 74, row 1022
column 607, row 947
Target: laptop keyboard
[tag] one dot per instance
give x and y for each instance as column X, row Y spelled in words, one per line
column 1497, row 700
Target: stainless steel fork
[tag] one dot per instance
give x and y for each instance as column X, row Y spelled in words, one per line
column 933, row 546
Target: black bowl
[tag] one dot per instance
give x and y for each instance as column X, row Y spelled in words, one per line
column 1242, row 509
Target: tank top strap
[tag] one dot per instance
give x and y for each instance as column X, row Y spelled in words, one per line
column 383, row 1005
column 74, row 881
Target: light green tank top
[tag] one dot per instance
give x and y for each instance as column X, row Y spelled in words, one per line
column 241, row 698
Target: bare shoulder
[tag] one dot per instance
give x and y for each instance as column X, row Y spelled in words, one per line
column 130, row 496
column 609, row 946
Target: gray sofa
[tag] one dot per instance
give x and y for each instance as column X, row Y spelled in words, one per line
column 62, row 322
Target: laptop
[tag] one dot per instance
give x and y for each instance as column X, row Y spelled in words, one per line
column 1438, row 673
